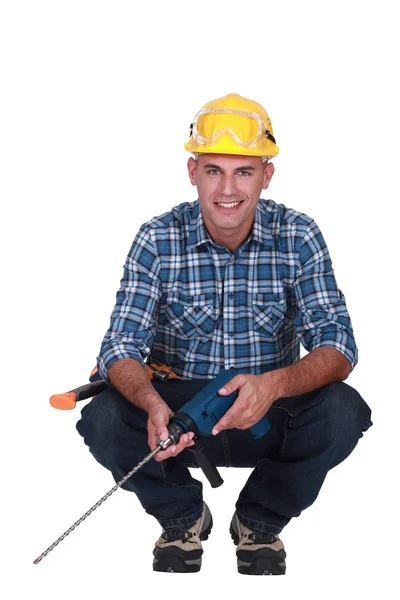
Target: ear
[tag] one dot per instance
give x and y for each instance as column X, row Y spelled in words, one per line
column 268, row 172
column 192, row 166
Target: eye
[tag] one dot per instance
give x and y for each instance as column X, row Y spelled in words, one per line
column 244, row 173
column 213, row 171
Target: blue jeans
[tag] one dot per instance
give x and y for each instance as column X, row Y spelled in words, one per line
column 309, row 435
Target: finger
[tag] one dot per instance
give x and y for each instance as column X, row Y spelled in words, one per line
column 226, row 422
column 244, row 426
column 164, row 454
column 185, row 441
column 160, row 426
column 173, row 450
column 151, row 436
column 234, row 384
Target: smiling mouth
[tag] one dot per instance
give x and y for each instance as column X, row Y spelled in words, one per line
column 228, row 204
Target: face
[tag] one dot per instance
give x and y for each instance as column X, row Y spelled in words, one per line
column 229, row 188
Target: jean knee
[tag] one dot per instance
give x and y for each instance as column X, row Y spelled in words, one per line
column 349, row 415
column 100, row 421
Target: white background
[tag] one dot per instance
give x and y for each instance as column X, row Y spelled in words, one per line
column 97, row 98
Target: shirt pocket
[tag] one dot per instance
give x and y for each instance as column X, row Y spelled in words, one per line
column 191, row 316
column 268, row 313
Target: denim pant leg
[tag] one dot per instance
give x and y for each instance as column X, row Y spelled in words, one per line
column 322, row 428
column 116, row 433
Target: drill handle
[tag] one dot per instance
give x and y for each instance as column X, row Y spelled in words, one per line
column 205, row 464
column 260, row 428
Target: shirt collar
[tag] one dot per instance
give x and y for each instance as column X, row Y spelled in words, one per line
column 261, row 231
column 198, row 233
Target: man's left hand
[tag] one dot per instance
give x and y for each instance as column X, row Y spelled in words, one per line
column 256, row 393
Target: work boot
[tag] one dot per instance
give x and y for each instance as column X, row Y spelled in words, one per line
column 179, row 550
column 257, row 553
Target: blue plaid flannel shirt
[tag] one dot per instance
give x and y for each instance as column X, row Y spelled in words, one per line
column 199, row 309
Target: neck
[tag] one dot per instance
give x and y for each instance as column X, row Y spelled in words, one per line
column 229, row 240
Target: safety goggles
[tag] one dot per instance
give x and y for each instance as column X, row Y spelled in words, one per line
column 245, row 128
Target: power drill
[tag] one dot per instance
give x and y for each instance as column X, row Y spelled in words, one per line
column 201, row 414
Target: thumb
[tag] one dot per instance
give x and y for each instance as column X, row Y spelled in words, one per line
column 232, row 385
column 160, row 425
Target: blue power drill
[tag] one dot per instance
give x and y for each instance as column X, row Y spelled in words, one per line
column 200, row 415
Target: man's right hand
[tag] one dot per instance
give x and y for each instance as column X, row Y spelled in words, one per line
column 129, row 377
column 159, row 415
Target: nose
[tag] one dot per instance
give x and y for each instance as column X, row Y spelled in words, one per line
column 228, row 185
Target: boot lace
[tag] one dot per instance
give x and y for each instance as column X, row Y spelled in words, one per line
column 258, row 537
column 172, row 535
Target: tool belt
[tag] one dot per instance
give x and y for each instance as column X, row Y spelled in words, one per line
column 154, row 371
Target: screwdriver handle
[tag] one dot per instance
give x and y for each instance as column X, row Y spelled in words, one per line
column 68, row 401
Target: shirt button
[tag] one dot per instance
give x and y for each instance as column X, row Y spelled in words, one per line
column 231, row 334
column 230, row 296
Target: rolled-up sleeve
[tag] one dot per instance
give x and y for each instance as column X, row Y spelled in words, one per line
column 134, row 317
column 322, row 318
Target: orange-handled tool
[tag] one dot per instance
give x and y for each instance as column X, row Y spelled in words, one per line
column 68, row 401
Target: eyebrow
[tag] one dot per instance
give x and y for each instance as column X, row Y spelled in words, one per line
column 244, row 168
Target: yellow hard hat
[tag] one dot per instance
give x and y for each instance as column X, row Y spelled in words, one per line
column 232, row 125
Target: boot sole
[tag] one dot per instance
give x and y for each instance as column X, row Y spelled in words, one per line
column 259, row 562
column 176, row 560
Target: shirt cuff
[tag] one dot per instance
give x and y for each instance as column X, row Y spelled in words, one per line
column 350, row 353
column 113, row 352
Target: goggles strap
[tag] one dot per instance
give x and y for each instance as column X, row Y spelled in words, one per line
column 267, row 134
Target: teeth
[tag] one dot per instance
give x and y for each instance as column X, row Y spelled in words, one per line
column 231, row 205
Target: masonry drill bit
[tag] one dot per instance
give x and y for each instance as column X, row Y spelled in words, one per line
column 161, row 446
